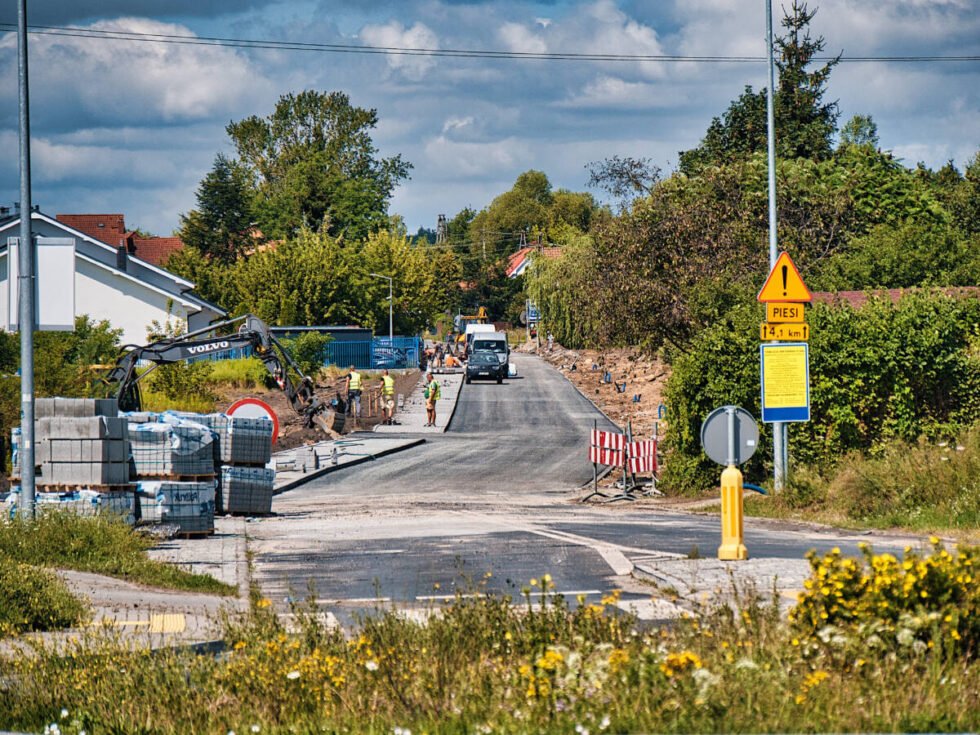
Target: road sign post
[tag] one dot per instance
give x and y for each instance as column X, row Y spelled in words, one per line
column 730, row 437
column 786, row 378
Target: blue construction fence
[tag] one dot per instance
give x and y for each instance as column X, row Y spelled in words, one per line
column 396, row 353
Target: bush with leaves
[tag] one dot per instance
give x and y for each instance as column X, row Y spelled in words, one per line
column 884, row 371
column 309, row 351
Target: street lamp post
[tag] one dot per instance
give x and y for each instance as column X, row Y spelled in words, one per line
column 391, row 331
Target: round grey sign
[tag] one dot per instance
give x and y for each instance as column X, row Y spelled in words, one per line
column 715, row 435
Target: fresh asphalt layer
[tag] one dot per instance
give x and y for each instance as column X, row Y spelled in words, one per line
column 493, row 495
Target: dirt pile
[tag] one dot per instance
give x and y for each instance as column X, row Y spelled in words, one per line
column 292, row 432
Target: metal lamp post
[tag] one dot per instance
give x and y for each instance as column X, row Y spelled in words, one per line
column 391, row 330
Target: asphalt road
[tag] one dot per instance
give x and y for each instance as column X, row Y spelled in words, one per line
column 495, row 495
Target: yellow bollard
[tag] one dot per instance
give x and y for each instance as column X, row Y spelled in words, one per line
column 732, row 538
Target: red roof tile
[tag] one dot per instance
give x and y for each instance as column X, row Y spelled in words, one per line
column 155, row 250
column 107, row 228
column 857, row 299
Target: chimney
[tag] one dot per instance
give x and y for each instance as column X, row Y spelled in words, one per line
column 121, row 257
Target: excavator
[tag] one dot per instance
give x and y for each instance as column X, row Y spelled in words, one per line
column 251, row 332
column 461, row 322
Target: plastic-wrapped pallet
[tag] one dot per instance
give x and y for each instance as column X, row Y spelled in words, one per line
column 246, row 490
column 15, row 450
column 188, row 505
column 241, row 441
column 83, row 502
column 177, row 447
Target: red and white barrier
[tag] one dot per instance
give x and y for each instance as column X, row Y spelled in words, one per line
column 607, row 448
column 642, row 456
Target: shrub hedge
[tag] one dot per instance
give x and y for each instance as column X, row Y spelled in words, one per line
column 877, row 373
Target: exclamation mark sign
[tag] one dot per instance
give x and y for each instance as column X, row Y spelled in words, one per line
column 785, row 272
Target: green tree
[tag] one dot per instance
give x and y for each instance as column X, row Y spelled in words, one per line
column 213, row 279
column 805, row 125
column 859, row 130
column 221, row 226
column 306, row 280
column 314, row 165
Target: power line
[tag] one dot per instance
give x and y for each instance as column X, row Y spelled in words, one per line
column 269, row 44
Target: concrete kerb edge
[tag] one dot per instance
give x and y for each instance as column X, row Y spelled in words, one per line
column 334, row 468
column 452, row 411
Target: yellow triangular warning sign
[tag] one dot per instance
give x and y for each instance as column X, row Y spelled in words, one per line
column 784, row 283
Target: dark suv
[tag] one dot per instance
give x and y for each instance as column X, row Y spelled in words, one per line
column 485, row 366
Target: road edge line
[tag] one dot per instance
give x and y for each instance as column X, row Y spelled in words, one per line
column 579, row 391
column 353, row 463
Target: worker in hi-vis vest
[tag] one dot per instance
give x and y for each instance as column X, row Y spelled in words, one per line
column 432, row 394
column 354, row 392
column 387, row 395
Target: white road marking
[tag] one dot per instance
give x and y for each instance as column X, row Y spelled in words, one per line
column 613, row 554
column 615, row 559
column 470, row 595
column 383, row 551
column 352, row 600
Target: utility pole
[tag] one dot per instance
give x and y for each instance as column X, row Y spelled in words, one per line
column 441, row 229
column 483, row 244
column 779, row 449
column 25, row 279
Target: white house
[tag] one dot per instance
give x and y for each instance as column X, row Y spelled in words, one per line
column 110, row 284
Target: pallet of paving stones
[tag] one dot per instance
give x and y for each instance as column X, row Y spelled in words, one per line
column 175, row 448
column 187, row 505
column 203, row 477
column 241, row 441
column 246, row 490
column 82, row 501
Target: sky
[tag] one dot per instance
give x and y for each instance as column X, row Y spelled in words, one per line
column 128, row 127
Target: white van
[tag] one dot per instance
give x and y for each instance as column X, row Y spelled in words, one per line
column 495, row 342
column 474, row 329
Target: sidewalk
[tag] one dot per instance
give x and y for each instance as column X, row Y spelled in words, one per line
column 411, row 419
column 711, row 581
column 302, row 464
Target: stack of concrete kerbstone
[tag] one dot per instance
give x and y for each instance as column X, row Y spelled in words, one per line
column 244, row 448
column 187, row 505
column 81, row 442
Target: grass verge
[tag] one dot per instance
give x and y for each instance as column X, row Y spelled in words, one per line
column 33, row 599
column 871, row 654
column 921, row 488
column 97, row 544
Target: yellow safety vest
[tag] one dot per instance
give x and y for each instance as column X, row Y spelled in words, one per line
column 387, row 385
column 434, row 393
column 355, row 381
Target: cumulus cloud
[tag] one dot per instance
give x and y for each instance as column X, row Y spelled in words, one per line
column 132, row 127
column 396, row 35
column 455, row 123
column 80, row 82
column 518, row 38
column 608, row 92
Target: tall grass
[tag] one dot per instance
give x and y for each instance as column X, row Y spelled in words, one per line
column 490, row 664
column 244, row 373
column 33, row 599
column 921, row 487
column 97, row 544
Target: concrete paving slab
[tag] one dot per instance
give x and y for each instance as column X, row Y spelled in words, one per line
column 411, row 419
column 222, row 555
column 334, row 455
column 711, row 581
